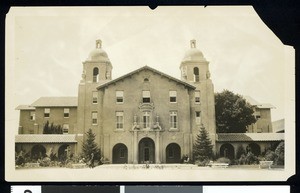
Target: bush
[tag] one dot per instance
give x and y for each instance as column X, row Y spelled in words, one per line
column 204, row 162
column 242, row 160
column 240, row 151
column 270, row 156
column 45, row 162
column 251, row 159
column 280, row 154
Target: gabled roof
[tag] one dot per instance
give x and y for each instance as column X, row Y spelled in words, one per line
column 278, row 126
column 25, row 107
column 146, row 68
column 237, row 137
column 55, row 102
column 253, row 102
column 45, row 138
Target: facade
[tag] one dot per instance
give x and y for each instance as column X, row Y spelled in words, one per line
column 143, row 116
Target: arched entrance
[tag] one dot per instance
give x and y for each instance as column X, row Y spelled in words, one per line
column 173, row 153
column 38, row 152
column 227, row 150
column 255, row 149
column 146, row 150
column 120, row 154
column 63, row 152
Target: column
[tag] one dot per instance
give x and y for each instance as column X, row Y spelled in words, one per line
column 135, row 147
column 157, row 144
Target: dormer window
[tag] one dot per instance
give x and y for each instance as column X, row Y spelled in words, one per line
column 146, row 96
column 95, row 74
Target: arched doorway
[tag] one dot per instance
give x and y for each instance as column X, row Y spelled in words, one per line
column 227, row 150
column 63, row 152
column 255, row 149
column 38, row 152
column 146, row 150
column 173, row 153
column 120, row 154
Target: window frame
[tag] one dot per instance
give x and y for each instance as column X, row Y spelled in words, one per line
column 66, row 127
column 197, row 97
column 47, row 112
column 146, row 96
column 198, row 118
column 119, row 95
column 32, row 116
column 173, row 119
column 173, row 96
column 94, row 97
column 146, row 120
column 119, row 120
column 66, row 112
column 95, row 118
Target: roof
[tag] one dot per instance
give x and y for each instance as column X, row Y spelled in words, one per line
column 25, row 107
column 253, row 102
column 278, row 126
column 146, row 68
column 232, row 137
column 55, row 102
column 45, row 138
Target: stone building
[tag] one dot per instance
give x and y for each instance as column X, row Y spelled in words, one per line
column 145, row 115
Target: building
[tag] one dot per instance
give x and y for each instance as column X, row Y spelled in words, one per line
column 145, row 115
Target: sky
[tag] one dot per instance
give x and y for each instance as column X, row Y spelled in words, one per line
column 46, row 47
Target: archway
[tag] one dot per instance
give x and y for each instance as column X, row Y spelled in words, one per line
column 120, row 154
column 173, row 153
column 255, row 149
column 62, row 152
column 227, row 150
column 38, row 152
column 146, row 150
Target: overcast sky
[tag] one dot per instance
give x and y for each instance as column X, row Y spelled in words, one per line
column 48, row 45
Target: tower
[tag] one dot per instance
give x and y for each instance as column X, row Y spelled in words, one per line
column 195, row 70
column 96, row 70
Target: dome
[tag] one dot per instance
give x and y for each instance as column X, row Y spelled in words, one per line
column 193, row 54
column 98, row 54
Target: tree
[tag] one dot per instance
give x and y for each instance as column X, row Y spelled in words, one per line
column 280, row 154
column 202, row 147
column 89, row 146
column 233, row 113
column 52, row 129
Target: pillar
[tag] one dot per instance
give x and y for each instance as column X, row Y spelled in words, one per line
column 135, row 148
column 157, row 154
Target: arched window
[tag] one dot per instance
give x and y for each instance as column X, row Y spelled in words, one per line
column 196, row 74
column 95, row 74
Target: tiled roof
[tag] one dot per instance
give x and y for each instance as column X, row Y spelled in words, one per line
column 253, row 102
column 55, row 102
column 146, row 68
column 249, row 137
column 25, row 107
column 278, row 126
column 45, row 138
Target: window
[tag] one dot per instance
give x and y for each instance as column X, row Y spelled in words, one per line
column 95, row 75
column 197, row 97
column 146, row 96
column 173, row 95
column 120, row 119
column 146, row 120
column 198, row 118
column 32, row 115
column 65, row 128
column 257, row 116
column 66, row 112
column 119, row 97
column 94, row 118
column 196, row 74
column 95, row 97
column 47, row 113
column 173, row 119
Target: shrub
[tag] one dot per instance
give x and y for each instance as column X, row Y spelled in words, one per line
column 45, row 162
column 240, row 151
column 251, row 159
column 280, row 154
column 242, row 160
column 270, row 156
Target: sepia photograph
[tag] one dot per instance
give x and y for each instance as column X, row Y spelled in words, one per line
column 117, row 94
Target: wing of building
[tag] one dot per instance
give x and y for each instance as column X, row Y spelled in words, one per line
column 143, row 116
